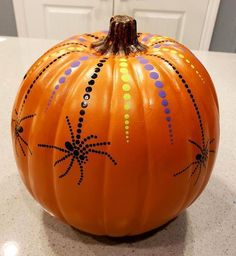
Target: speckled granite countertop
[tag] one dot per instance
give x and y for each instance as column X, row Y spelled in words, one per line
column 208, row 227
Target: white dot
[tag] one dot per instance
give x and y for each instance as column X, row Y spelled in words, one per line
column 10, row 248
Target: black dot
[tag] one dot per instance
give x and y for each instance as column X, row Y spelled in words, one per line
column 177, row 72
column 79, row 125
column 99, row 64
column 91, row 82
column 180, row 76
column 86, row 96
column 94, row 76
column 77, row 141
column 78, row 136
column 84, row 104
column 88, row 89
column 189, row 91
column 97, row 70
column 102, row 60
column 81, row 119
column 82, row 112
column 186, row 85
column 183, row 81
column 79, row 130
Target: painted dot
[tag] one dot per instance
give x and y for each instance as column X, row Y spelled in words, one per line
column 75, row 64
column 167, row 110
column 82, row 40
column 126, row 87
column 143, row 61
column 124, row 70
column 165, row 49
column 127, row 132
column 127, row 106
column 197, row 72
column 126, row 116
column 126, row 127
column 162, row 94
column 68, row 72
column 123, row 64
column 148, row 67
column 84, row 58
column 181, row 56
column 157, row 46
column 164, row 103
column 123, row 59
column 145, row 39
column 127, row 96
column 154, row 75
column 168, row 118
column 173, row 51
column 125, row 78
column 62, row 80
column 57, row 87
column 187, row 61
column 158, row 84
column 192, row 66
column 71, row 48
column 126, row 121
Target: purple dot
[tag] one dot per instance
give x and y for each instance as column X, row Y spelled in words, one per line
column 154, row 75
column 53, row 93
column 143, row 61
column 57, row 87
column 169, row 125
column 164, row 103
column 82, row 39
column 158, row 84
column 145, row 39
column 168, row 118
column 62, row 80
column 75, row 64
column 167, row 110
column 148, row 67
column 162, row 94
column 157, row 46
column 68, row 71
column 84, row 58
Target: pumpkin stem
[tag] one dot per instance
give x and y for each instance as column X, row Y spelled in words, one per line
column 121, row 39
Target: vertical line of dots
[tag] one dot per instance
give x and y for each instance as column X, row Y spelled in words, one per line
column 161, row 93
column 180, row 55
column 125, row 78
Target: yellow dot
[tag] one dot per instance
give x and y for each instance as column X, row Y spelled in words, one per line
column 181, row 56
column 123, row 59
column 71, row 48
column 123, row 64
column 187, row 61
column 126, row 121
column 126, row 132
column 45, row 58
column 127, row 137
column 127, row 141
column 125, row 78
column 123, row 70
column 197, row 72
column 192, row 66
column 127, row 96
column 79, row 49
column 153, row 39
column 173, row 51
column 126, row 127
column 126, row 87
column 62, row 51
column 165, row 49
column 126, row 116
column 127, row 106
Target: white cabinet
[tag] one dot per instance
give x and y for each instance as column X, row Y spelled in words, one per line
column 189, row 21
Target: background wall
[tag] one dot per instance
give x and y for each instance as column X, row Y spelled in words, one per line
column 7, row 19
column 224, row 35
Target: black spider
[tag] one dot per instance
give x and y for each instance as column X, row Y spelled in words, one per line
column 78, row 150
column 200, row 159
column 19, row 130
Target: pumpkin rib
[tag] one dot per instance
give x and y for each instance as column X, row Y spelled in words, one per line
column 144, row 211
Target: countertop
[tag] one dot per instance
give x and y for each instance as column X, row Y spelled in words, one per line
column 208, row 227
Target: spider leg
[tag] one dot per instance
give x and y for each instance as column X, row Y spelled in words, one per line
column 16, row 112
column 16, row 145
column 194, row 169
column 68, row 168
column 70, row 128
column 21, row 146
column 103, row 153
column 212, row 140
column 199, row 172
column 194, row 143
column 186, row 168
column 26, row 117
column 25, row 143
column 96, row 144
column 81, row 171
column 90, row 137
column 62, row 159
column 53, row 147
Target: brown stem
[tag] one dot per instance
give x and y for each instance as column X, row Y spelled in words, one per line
column 121, row 39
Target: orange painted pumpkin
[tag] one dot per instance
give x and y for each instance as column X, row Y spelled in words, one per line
column 116, row 134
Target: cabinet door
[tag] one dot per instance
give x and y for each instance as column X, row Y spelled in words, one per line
column 58, row 19
column 188, row 21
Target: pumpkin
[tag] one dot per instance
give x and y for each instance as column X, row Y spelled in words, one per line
column 116, row 133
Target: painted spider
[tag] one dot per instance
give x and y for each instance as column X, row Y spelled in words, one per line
column 19, row 130
column 78, row 150
column 200, row 159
